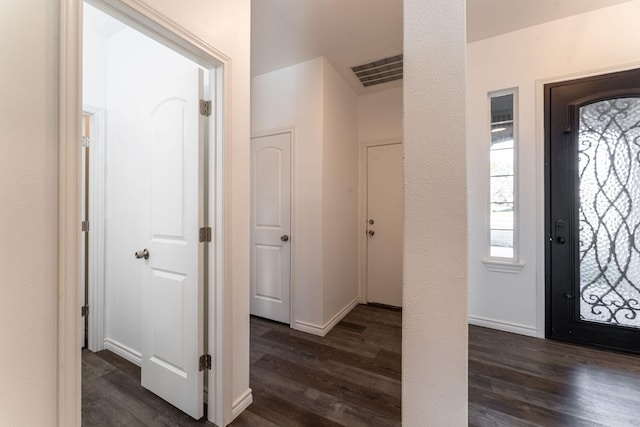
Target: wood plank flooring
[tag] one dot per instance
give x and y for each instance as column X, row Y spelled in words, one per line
column 351, row 377
column 520, row 381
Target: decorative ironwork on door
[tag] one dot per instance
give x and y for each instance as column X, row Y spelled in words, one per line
column 609, row 212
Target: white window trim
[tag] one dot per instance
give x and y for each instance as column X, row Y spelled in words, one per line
column 492, row 263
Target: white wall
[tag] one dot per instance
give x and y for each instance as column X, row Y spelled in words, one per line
column 292, row 98
column 28, row 211
column 594, row 42
column 339, row 193
column 94, row 69
column 380, row 116
column 434, row 333
column 313, row 100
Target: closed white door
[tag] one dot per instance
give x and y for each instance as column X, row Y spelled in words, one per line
column 172, row 292
column 384, row 224
column 270, row 227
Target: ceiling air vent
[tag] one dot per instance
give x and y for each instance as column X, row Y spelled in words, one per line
column 381, row 71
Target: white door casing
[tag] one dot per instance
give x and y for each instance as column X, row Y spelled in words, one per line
column 84, row 217
column 173, row 286
column 271, row 226
column 69, row 129
column 384, row 235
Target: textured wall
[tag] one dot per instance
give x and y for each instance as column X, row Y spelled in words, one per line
column 434, row 341
column 28, row 212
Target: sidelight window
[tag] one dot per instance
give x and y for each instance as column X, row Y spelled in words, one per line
column 502, row 176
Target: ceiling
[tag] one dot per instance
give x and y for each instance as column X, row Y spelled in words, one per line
column 488, row 18
column 346, row 32
column 352, row 32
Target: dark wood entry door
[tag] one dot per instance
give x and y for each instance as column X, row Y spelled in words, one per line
column 592, row 186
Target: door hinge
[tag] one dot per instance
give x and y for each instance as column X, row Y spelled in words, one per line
column 86, row 141
column 205, row 362
column 84, row 311
column 85, row 226
column 205, row 108
column 205, row 234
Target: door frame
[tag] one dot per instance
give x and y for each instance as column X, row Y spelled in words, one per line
column 362, row 211
column 542, row 310
column 594, row 329
column 293, row 230
column 147, row 20
column 96, row 228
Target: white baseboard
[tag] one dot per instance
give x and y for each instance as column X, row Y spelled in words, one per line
column 123, row 351
column 503, row 326
column 323, row 330
column 241, row 403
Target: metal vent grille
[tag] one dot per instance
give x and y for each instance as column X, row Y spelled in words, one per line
column 381, row 71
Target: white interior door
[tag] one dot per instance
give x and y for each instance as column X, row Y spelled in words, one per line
column 172, row 292
column 384, row 224
column 270, row 227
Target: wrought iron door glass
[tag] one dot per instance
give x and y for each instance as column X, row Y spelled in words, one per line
column 609, row 212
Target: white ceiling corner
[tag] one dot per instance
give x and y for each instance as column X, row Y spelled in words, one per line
column 346, row 33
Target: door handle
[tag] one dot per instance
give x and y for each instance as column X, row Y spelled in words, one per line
column 284, row 238
column 561, row 229
column 371, row 233
column 142, row 254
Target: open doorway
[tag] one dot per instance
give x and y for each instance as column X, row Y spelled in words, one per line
column 153, row 165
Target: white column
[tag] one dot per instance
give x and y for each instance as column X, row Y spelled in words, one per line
column 434, row 361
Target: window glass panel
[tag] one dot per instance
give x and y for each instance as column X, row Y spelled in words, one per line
column 502, row 135
column 501, row 162
column 501, row 189
column 502, row 168
column 502, row 144
column 502, row 216
column 502, row 243
column 609, row 211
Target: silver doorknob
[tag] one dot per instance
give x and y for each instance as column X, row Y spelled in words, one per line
column 142, row 254
column 371, row 232
column 284, row 238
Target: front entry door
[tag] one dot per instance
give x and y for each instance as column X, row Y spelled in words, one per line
column 173, row 290
column 593, row 210
column 271, row 227
column 384, row 224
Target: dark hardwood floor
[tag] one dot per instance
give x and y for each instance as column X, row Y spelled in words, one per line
column 351, row 377
column 520, row 381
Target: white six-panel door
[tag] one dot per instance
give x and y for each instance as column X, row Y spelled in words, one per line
column 384, row 224
column 172, row 292
column 270, row 227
